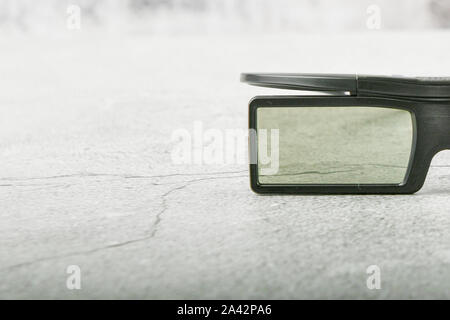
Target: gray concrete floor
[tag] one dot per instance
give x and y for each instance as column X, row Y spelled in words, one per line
column 86, row 176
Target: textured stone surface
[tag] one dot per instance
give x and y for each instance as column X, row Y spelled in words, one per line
column 86, row 176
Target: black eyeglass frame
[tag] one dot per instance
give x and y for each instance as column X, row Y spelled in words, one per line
column 431, row 134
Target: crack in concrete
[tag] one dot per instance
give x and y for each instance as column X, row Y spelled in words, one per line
column 349, row 170
column 124, row 176
column 313, row 172
column 158, row 217
column 153, row 229
column 50, row 185
column 128, row 176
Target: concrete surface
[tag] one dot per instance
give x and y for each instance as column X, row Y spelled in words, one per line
column 86, row 176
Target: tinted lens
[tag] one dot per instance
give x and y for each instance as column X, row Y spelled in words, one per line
column 333, row 145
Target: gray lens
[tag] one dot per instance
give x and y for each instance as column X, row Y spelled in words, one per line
column 333, row 145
